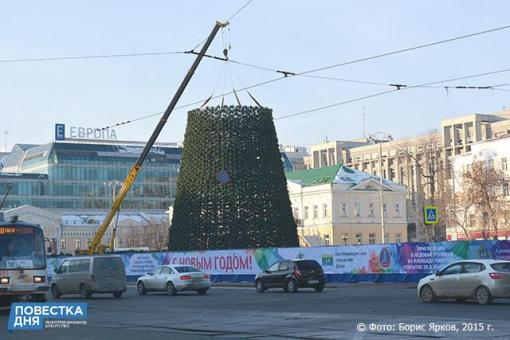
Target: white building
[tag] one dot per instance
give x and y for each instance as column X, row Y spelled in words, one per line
column 71, row 231
column 494, row 153
column 341, row 205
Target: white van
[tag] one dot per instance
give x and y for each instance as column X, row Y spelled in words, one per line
column 88, row 275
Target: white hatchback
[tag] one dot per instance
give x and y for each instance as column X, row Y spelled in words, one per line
column 483, row 280
column 173, row 279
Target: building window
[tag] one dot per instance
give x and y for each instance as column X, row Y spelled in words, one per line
column 370, row 209
column 385, row 210
column 506, row 191
column 62, row 244
column 504, row 164
column 345, row 238
column 343, row 209
column 357, row 212
column 397, row 210
column 398, row 238
column 359, row 238
column 306, row 213
column 490, row 163
column 324, row 210
column 326, row 239
column 89, row 241
column 315, row 212
column 78, row 243
column 371, row 238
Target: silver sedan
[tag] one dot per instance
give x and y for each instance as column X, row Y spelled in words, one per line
column 173, row 279
column 482, row 280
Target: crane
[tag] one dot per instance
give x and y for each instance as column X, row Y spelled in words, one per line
column 95, row 246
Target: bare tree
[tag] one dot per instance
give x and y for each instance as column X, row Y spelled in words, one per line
column 426, row 180
column 484, row 185
column 133, row 238
column 462, row 213
column 155, row 236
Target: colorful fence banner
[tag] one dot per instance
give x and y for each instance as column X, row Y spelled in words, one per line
column 403, row 258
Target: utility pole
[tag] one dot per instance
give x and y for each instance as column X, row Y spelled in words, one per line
column 373, row 139
column 381, row 194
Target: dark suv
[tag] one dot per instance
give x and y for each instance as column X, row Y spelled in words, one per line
column 291, row 275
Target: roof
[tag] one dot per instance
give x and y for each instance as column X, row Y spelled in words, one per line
column 336, row 174
column 324, row 175
column 7, row 176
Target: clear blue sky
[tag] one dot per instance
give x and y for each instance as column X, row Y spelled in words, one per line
column 290, row 35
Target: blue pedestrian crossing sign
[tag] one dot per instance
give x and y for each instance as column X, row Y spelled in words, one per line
column 430, row 214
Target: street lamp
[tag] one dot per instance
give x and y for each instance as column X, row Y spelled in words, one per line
column 379, row 138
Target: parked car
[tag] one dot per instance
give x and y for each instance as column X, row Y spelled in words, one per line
column 291, row 275
column 89, row 275
column 482, row 280
column 173, row 279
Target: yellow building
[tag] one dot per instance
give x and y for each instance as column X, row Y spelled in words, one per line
column 341, row 205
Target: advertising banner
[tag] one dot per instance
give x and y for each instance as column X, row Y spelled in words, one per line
column 402, row 258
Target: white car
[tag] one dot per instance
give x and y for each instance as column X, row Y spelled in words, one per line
column 173, row 279
column 482, row 280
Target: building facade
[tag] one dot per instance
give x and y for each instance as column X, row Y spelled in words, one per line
column 421, row 163
column 66, row 233
column 471, row 222
column 83, row 175
column 340, row 205
column 331, row 153
column 295, row 154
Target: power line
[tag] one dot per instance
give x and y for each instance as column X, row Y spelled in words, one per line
column 288, row 74
column 407, row 49
column 306, row 75
column 193, row 103
column 100, row 56
column 350, row 62
column 116, row 55
column 389, row 91
column 316, row 109
column 239, row 10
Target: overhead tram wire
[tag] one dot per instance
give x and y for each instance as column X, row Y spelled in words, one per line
column 287, row 74
column 100, row 56
column 465, row 36
column 245, row 88
column 116, row 55
column 146, row 54
column 323, row 107
column 355, row 61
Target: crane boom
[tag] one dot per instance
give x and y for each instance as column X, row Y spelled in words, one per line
column 135, row 169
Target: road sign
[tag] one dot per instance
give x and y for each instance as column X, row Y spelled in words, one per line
column 431, row 214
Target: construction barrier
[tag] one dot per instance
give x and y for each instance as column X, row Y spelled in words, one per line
column 402, row 262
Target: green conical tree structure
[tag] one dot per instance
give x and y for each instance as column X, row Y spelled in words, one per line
column 231, row 190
